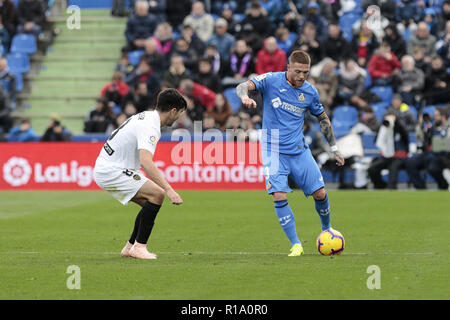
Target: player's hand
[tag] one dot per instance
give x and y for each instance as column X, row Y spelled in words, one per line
column 174, row 197
column 339, row 159
column 248, row 102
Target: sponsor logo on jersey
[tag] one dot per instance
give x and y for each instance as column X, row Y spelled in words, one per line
column 276, row 102
column 137, row 177
column 152, row 139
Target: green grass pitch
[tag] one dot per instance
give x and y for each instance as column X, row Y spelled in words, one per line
column 224, row 245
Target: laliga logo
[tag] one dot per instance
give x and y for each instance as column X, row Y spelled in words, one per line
column 17, row 171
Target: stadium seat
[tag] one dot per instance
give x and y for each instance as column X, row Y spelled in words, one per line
column 340, row 129
column 24, row 43
column 414, row 111
column 346, row 22
column 429, row 110
column 6, row 85
column 367, row 81
column 344, row 118
column 239, row 16
column 19, row 82
column 18, row 62
column 233, row 99
column 384, row 92
column 345, row 115
column 135, row 56
column 379, row 109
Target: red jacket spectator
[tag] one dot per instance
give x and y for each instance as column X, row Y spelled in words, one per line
column 116, row 89
column 383, row 63
column 270, row 58
column 199, row 93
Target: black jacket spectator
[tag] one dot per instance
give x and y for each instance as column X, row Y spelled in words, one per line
column 177, row 10
column 139, row 97
column 395, row 40
column 100, row 118
column 206, row 77
column 31, row 11
column 139, row 27
column 260, row 23
column 5, row 118
column 9, row 16
column 56, row 132
column 334, row 46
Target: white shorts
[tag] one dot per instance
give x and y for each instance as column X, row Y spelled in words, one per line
column 123, row 184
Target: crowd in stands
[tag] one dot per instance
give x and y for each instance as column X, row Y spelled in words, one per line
column 387, row 62
column 21, row 25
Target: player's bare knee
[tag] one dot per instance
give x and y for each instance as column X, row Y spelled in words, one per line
column 319, row 194
column 157, row 196
column 279, row 196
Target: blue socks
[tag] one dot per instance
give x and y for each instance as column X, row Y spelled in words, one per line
column 287, row 220
column 323, row 209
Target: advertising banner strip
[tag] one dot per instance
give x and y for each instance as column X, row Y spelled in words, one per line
column 186, row 166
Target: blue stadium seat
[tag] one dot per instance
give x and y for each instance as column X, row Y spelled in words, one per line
column 24, row 43
column 429, row 110
column 344, row 118
column 345, row 115
column 379, row 109
column 135, row 56
column 367, row 80
column 346, row 22
column 384, row 92
column 414, row 111
column 340, row 129
column 239, row 16
column 19, row 82
column 232, row 97
column 6, row 85
column 18, row 62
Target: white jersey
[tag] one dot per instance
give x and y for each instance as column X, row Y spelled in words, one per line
column 140, row 132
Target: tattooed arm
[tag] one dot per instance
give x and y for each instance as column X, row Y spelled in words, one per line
column 327, row 131
column 242, row 92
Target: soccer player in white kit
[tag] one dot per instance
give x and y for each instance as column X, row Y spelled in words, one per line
column 129, row 148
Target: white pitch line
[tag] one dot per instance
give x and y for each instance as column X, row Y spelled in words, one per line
column 214, row 253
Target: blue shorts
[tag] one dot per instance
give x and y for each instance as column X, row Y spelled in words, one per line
column 302, row 168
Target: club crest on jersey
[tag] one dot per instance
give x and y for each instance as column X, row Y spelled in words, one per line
column 301, row 97
column 152, row 139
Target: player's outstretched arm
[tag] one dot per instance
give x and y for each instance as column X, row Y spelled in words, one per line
column 153, row 173
column 242, row 92
column 327, row 131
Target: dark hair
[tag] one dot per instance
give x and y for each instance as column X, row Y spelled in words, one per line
column 169, row 99
column 299, row 56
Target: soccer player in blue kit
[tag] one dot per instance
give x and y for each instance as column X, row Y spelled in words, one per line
column 286, row 97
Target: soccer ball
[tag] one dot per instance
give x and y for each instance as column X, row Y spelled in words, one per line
column 330, row 242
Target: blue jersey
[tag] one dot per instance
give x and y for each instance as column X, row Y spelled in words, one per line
column 284, row 110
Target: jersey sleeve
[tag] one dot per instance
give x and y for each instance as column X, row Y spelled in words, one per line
column 316, row 107
column 147, row 138
column 260, row 81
